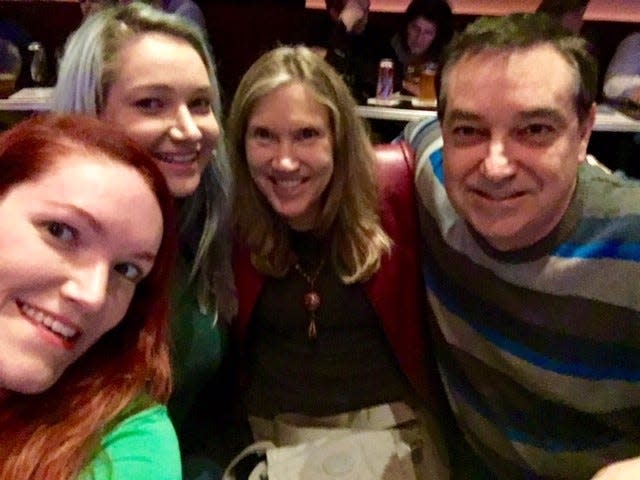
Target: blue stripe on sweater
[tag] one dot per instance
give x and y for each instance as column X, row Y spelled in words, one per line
column 600, row 250
column 580, row 441
column 437, row 164
column 611, row 359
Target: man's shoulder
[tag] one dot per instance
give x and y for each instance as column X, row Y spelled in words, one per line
column 423, row 131
column 425, row 138
column 609, row 195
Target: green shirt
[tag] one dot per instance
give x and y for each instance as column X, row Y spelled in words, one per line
column 198, row 345
column 143, row 446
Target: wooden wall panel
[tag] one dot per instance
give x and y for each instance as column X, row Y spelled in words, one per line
column 599, row 10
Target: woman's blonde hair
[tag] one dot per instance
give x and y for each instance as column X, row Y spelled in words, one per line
column 88, row 69
column 349, row 216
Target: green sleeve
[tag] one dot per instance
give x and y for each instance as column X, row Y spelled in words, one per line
column 143, row 446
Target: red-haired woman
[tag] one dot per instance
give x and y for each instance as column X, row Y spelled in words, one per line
column 88, row 235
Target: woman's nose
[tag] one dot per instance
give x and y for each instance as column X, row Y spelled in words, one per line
column 284, row 158
column 87, row 285
column 185, row 126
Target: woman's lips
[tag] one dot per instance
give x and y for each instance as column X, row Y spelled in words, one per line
column 177, row 158
column 63, row 329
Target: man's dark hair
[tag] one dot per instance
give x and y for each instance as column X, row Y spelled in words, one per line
column 520, row 31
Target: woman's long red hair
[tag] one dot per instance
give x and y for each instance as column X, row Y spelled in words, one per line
column 54, row 434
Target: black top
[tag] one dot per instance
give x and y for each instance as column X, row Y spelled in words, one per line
column 348, row 366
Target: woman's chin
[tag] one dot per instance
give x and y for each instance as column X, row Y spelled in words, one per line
column 31, row 383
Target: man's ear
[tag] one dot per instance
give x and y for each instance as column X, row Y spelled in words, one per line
column 585, row 130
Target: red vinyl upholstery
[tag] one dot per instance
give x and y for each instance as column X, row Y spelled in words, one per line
column 393, row 152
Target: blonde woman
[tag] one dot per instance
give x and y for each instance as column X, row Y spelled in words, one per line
column 330, row 300
column 151, row 73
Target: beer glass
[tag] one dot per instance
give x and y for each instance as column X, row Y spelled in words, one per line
column 427, row 85
column 10, row 66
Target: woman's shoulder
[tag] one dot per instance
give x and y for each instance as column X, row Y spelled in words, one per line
column 142, row 445
column 151, row 422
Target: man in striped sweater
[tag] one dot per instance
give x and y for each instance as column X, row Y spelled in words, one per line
column 531, row 257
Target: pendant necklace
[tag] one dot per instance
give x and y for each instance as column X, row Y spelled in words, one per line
column 311, row 300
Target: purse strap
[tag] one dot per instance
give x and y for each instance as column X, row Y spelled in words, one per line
column 255, row 448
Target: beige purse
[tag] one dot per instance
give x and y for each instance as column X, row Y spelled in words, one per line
column 386, row 442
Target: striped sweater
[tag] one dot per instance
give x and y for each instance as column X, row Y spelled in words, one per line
column 539, row 349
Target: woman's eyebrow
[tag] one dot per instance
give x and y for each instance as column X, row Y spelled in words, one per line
column 94, row 224
column 99, row 229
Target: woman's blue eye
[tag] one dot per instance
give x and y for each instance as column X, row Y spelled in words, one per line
column 62, row 231
column 129, row 271
column 149, row 103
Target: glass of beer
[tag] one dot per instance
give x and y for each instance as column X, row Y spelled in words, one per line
column 427, row 85
column 10, row 66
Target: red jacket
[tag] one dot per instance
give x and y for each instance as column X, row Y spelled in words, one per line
column 396, row 290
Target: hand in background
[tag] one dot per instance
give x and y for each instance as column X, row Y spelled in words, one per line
column 353, row 15
column 625, row 470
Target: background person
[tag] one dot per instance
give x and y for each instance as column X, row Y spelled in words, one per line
column 351, row 47
column 330, row 311
column 84, row 361
column 526, row 247
column 622, row 80
column 151, row 73
column 427, row 26
column 621, row 89
column 569, row 13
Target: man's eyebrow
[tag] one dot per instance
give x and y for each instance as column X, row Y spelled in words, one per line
column 536, row 113
column 543, row 113
column 458, row 115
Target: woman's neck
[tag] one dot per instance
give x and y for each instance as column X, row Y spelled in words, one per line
column 308, row 247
